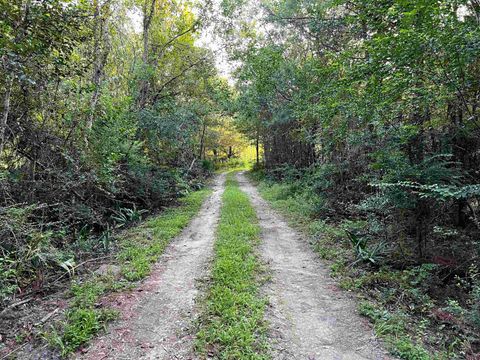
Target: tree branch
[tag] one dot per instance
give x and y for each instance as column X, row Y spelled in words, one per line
column 169, row 42
column 190, row 66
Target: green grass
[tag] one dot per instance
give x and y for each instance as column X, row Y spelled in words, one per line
column 139, row 249
column 280, row 196
column 232, row 325
column 392, row 329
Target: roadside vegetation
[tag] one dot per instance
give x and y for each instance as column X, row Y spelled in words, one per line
column 231, row 325
column 138, row 250
column 368, row 115
column 409, row 307
column 135, row 251
column 102, row 121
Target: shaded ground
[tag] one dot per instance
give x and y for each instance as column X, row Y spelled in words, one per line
column 156, row 318
column 310, row 318
column 22, row 321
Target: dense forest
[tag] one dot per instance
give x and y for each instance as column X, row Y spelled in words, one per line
column 362, row 119
column 369, row 116
column 101, row 121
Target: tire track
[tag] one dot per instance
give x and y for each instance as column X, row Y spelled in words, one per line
column 310, row 318
column 159, row 323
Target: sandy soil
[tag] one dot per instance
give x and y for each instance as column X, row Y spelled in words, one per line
column 310, row 318
column 157, row 318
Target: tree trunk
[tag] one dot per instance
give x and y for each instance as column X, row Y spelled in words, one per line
column 9, row 82
column 100, row 56
column 257, row 147
column 6, row 111
column 147, row 20
column 202, row 141
column 96, row 60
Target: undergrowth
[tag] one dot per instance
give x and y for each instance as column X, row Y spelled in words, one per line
column 139, row 249
column 232, row 325
column 399, row 302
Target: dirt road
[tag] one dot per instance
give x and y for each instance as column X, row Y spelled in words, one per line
column 158, row 326
column 310, row 318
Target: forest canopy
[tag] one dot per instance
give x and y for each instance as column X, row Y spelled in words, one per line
column 377, row 100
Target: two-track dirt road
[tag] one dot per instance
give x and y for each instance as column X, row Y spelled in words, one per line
column 157, row 325
column 309, row 317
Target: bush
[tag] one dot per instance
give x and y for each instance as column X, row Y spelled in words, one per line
column 43, row 238
column 232, row 163
column 208, row 165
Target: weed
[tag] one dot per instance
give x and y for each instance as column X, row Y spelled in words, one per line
column 8, row 275
column 125, row 216
column 406, row 349
column 86, row 294
column 139, row 248
column 232, row 325
column 80, row 326
column 392, row 328
column 364, row 252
